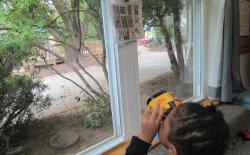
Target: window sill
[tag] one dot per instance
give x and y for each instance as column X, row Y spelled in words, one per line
column 120, row 149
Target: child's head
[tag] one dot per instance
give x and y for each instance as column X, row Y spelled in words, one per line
column 192, row 129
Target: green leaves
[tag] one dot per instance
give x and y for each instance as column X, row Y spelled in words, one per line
column 20, row 97
column 154, row 10
column 92, row 33
column 98, row 110
column 24, row 20
column 28, row 12
column 16, row 45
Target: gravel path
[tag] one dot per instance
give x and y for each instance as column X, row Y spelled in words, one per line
column 151, row 65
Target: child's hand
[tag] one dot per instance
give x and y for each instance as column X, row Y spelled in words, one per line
column 150, row 123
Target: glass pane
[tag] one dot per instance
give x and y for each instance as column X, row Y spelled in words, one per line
column 166, row 52
column 65, row 51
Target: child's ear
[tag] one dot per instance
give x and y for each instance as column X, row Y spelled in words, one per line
column 172, row 150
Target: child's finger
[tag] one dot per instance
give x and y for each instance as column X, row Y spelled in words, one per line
column 178, row 101
column 161, row 113
column 148, row 108
column 156, row 111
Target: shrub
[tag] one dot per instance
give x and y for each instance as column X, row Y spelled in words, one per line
column 97, row 111
column 20, row 99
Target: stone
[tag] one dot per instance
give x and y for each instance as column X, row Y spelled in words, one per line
column 64, row 139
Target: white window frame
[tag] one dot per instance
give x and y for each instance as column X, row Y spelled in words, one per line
column 122, row 65
column 123, row 85
column 199, row 60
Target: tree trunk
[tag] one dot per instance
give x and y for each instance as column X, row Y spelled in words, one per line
column 78, row 30
column 72, row 62
column 179, row 43
column 168, row 45
column 104, row 54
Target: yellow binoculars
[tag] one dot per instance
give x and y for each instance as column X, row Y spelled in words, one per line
column 165, row 99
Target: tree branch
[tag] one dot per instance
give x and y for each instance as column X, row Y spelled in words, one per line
column 86, row 72
column 61, row 7
column 5, row 28
column 86, row 82
column 56, row 33
column 84, row 27
column 63, row 14
column 76, row 71
column 73, row 68
column 92, row 54
column 84, row 90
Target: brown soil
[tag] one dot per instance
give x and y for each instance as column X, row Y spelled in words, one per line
column 42, row 130
column 90, row 136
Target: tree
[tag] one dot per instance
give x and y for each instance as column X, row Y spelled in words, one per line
column 20, row 96
column 68, row 22
column 94, row 11
column 30, row 23
column 154, row 15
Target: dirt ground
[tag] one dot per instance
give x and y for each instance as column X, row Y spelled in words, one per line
column 86, row 61
column 42, row 130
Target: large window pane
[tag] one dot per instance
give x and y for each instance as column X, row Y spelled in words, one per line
column 166, row 52
column 62, row 46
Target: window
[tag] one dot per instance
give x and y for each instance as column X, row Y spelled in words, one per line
column 124, row 57
column 134, row 70
column 69, row 53
column 169, row 55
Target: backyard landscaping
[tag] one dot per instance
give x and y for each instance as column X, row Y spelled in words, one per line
column 67, row 114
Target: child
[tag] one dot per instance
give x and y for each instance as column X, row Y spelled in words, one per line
column 189, row 129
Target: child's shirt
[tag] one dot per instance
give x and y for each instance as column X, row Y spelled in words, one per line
column 137, row 147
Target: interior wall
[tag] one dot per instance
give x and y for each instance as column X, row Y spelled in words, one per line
column 244, row 41
column 245, row 62
column 245, row 69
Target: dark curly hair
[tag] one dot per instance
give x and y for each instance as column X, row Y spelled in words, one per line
column 199, row 130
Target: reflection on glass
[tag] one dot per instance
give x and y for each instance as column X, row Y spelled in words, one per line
column 166, row 52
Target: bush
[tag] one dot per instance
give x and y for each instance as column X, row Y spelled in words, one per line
column 95, row 119
column 20, row 99
column 98, row 111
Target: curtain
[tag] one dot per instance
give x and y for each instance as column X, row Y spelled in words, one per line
column 224, row 75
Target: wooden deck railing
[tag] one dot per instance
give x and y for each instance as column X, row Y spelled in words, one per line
column 94, row 46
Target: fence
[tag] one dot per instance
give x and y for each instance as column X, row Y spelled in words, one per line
column 95, row 47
